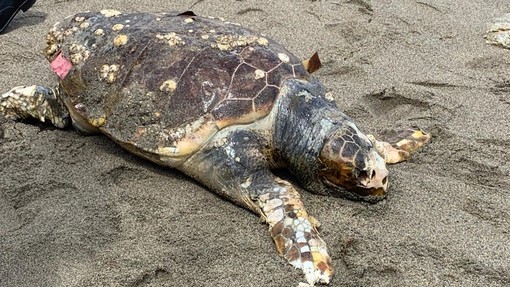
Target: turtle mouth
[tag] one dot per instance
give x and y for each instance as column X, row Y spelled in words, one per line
column 357, row 193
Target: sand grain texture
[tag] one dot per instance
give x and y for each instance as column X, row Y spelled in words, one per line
column 80, row 211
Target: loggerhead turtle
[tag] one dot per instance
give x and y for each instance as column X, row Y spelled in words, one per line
column 220, row 103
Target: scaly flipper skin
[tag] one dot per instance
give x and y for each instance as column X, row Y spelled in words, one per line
column 234, row 166
column 293, row 232
column 397, row 145
column 34, row 102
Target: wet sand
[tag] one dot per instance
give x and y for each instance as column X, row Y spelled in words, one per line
column 79, row 211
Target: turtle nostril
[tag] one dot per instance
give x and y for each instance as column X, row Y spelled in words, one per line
column 363, row 175
column 372, row 175
column 385, row 180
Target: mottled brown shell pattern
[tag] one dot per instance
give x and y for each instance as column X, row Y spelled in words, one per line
column 165, row 83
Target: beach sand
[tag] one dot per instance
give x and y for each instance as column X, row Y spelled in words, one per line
column 80, row 211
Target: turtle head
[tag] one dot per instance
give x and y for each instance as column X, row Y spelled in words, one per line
column 351, row 167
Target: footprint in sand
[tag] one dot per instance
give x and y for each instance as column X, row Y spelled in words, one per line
column 416, row 103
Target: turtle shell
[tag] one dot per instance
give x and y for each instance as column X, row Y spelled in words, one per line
column 163, row 84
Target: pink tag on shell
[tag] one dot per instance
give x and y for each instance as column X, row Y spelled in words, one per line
column 61, row 66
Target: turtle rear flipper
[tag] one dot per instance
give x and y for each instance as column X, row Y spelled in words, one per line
column 397, row 145
column 37, row 102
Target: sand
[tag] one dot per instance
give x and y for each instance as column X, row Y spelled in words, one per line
column 80, row 211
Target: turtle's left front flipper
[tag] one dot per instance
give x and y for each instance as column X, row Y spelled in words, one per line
column 34, row 102
column 397, row 145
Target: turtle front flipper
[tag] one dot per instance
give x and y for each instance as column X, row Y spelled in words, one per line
column 34, row 102
column 397, row 145
column 294, row 232
column 233, row 165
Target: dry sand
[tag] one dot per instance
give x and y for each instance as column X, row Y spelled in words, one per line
column 80, row 211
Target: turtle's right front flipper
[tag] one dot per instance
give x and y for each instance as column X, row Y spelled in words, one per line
column 34, row 102
column 234, row 166
column 294, row 231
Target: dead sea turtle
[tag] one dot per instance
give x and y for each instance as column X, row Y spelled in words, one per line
column 222, row 104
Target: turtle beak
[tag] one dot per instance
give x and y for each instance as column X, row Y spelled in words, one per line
column 373, row 181
column 379, row 182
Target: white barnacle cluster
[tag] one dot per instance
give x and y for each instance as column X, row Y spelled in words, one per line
column 259, row 74
column 55, row 33
column 83, row 24
column 283, row 57
column 229, row 42
column 51, row 50
column 262, row 41
column 171, row 38
column 98, row 122
column 99, row 32
column 110, row 13
column 69, row 32
column 168, row 86
column 54, row 38
column 78, row 23
column 117, row 27
column 109, row 73
column 78, row 53
column 120, row 40
column 79, row 19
